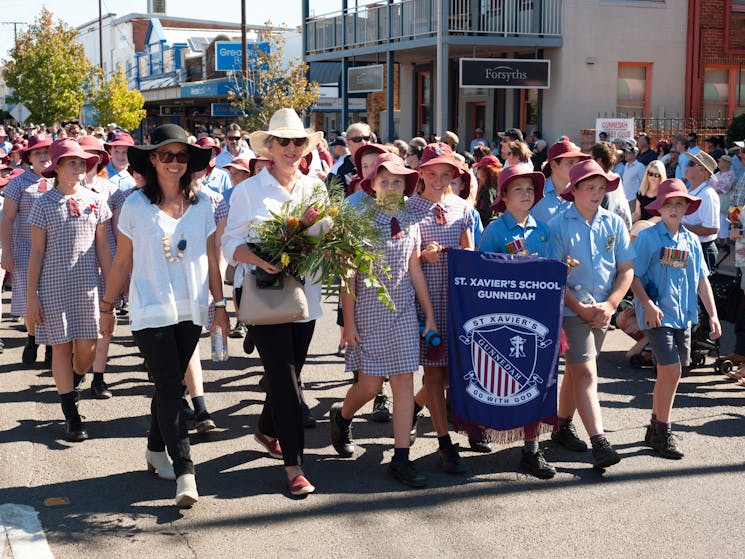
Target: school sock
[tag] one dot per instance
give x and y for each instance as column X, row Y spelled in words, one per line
column 400, row 454
column 97, row 377
column 76, row 379
column 31, row 339
column 653, row 421
column 663, row 426
column 198, row 403
column 445, row 441
column 564, row 421
column 68, row 404
column 530, row 446
column 342, row 421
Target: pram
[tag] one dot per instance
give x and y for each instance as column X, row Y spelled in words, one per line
column 726, row 289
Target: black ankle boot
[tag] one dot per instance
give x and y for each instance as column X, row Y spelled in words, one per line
column 74, row 430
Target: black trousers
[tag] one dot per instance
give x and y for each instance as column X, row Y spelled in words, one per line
column 167, row 351
column 283, row 349
column 710, row 254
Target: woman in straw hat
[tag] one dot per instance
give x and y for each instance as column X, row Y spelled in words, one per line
column 166, row 241
column 280, row 429
column 68, row 245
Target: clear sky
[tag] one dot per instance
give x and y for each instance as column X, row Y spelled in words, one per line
column 76, row 12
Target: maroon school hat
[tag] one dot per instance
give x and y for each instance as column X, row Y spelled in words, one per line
column 91, row 143
column 120, row 139
column 439, row 153
column 672, row 188
column 394, row 165
column 377, row 149
column 68, row 147
column 584, row 170
column 36, row 141
column 515, row 172
column 563, row 148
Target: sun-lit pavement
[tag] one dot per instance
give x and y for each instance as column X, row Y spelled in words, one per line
column 644, row 507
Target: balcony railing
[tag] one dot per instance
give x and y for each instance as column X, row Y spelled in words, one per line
column 411, row 19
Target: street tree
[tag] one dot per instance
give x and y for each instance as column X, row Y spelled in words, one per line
column 48, row 70
column 271, row 84
column 115, row 102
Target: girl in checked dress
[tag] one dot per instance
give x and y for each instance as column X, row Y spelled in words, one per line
column 445, row 222
column 382, row 343
column 68, row 244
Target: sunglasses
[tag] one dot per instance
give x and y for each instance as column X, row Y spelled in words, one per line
column 233, row 138
column 168, row 156
column 654, row 175
column 298, row 142
column 693, row 164
column 358, row 139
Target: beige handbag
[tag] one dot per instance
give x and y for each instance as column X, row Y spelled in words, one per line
column 281, row 303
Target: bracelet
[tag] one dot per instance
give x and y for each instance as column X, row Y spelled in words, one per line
column 220, row 304
column 106, row 312
column 106, row 306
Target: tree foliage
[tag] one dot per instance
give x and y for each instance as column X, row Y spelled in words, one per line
column 272, row 85
column 48, row 70
column 736, row 130
column 115, row 102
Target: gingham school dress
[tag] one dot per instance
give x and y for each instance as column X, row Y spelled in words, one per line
column 68, row 286
column 24, row 191
column 106, row 192
column 390, row 340
column 458, row 219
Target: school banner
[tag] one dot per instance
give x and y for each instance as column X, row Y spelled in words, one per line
column 504, row 325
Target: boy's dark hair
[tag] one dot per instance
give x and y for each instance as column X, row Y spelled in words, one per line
column 605, row 153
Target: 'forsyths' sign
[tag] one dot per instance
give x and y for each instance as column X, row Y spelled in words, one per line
column 505, row 73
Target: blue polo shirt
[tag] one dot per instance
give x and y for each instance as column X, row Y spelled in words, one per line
column 673, row 290
column 219, row 181
column 599, row 247
column 550, row 205
column 505, row 229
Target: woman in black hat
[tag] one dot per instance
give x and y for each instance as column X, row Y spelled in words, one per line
column 166, row 241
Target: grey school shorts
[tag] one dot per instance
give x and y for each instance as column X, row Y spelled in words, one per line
column 584, row 342
column 670, row 345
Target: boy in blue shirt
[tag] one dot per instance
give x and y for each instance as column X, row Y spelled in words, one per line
column 599, row 241
column 669, row 272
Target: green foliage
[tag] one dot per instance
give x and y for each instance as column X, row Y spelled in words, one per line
column 48, row 70
column 262, row 92
column 736, row 130
column 115, row 102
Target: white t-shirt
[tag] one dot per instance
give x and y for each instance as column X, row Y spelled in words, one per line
column 250, row 204
column 632, row 179
column 163, row 293
column 707, row 214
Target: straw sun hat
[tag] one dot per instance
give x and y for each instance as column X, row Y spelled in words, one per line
column 285, row 123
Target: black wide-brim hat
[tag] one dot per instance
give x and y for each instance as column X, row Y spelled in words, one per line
column 139, row 156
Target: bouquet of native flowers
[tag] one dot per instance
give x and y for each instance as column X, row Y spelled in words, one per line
column 326, row 238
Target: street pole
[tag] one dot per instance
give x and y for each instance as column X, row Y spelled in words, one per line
column 244, row 58
column 100, row 39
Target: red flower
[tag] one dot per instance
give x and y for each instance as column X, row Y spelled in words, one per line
column 93, row 207
column 310, row 215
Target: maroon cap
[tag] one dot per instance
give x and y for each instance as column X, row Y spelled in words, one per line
column 672, row 188
column 394, row 165
column 584, row 170
column 466, row 190
column 208, row 142
column 516, row 172
column 252, row 163
column 377, row 149
column 240, row 163
column 120, row 139
column 90, row 143
column 488, row 161
column 17, row 148
column 439, row 153
column 13, row 174
column 37, row 141
column 68, row 147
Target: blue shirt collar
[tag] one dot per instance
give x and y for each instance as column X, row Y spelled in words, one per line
column 511, row 222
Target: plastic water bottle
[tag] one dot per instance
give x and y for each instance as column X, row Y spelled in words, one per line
column 219, row 350
column 431, row 338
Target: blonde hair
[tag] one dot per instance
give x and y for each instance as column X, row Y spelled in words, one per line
column 655, row 165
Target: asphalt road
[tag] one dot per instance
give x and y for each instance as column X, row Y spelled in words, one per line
column 643, row 507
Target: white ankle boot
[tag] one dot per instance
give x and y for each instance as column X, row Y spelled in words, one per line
column 158, row 463
column 186, row 491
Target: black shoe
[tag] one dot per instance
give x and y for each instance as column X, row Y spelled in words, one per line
column 414, row 424
column 48, row 356
column 406, row 473
column 450, row 460
column 29, row 352
column 248, row 343
column 649, row 434
column 100, row 390
column 603, row 454
column 479, row 446
column 536, row 465
column 74, row 430
column 204, row 422
column 381, row 412
column 568, row 438
column 341, row 439
column 665, row 444
column 309, row 420
column 239, row 331
column 123, row 309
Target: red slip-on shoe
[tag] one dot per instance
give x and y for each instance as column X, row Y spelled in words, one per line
column 300, row 485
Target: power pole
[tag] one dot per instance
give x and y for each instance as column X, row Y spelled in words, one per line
column 15, row 25
column 100, row 38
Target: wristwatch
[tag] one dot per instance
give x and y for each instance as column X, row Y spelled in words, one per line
column 219, row 304
column 105, row 306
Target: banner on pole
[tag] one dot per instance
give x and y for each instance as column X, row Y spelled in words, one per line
column 504, row 326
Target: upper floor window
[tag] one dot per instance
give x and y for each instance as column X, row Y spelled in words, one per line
column 634, row 82
column 734, row 26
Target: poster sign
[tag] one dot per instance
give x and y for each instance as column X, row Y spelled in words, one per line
column 614, row 128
